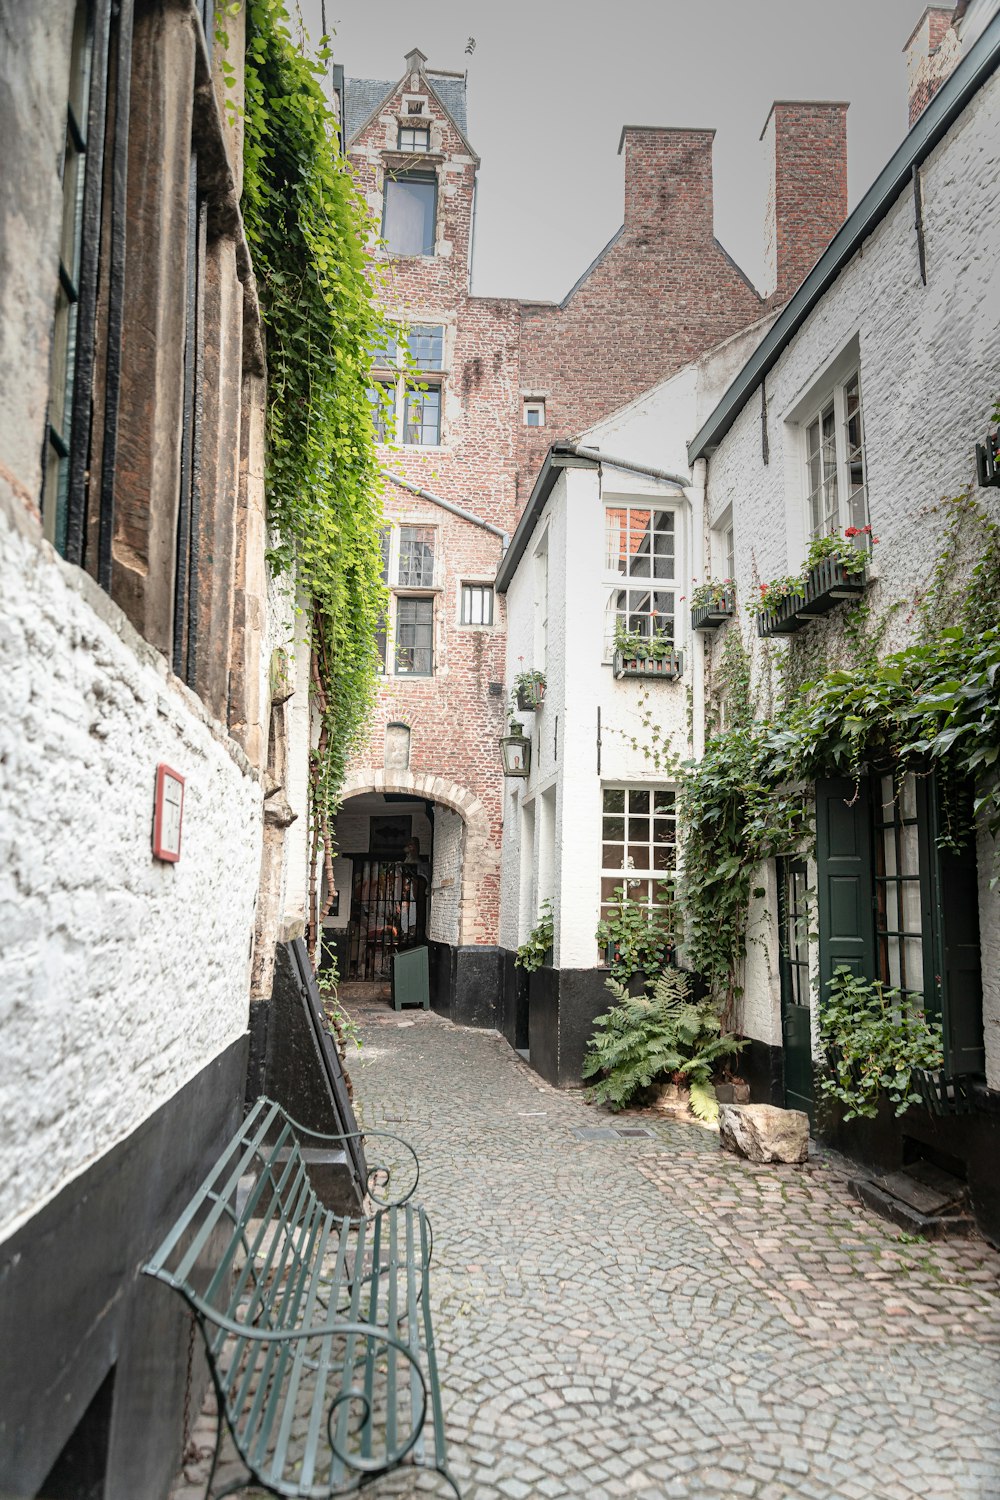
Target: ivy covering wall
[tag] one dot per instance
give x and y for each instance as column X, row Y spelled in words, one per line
column 307, row 229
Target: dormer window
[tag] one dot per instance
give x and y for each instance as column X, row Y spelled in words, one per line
column 408, row 220
column 414, row 138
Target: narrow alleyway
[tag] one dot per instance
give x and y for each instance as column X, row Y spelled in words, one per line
column 633, row 1315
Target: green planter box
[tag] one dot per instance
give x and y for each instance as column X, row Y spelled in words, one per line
column 711, row 616
column 826, row 586
column 667, row 668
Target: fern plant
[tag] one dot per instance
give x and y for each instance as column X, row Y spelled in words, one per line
column 644, row 1039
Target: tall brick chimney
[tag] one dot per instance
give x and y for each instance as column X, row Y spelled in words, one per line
column 932, row 51
column 807, row 197
column 668, row 182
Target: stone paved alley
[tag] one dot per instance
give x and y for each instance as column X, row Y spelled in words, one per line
column 650, row 1317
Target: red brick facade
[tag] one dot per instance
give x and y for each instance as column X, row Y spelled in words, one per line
column 807, row 201
column 663, row 292
column 931, row 54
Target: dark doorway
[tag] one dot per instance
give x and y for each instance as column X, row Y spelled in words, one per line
column 388, row 913
column 793, row 968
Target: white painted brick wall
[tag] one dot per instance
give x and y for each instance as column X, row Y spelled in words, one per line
column 120, row 977
column 446, row 881
column 929, row 377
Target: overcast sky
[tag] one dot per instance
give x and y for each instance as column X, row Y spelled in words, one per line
column 551, row 82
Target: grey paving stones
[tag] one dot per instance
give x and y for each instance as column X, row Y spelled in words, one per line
column 657, row 1318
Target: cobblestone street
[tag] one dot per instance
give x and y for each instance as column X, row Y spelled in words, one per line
column 646, row 1316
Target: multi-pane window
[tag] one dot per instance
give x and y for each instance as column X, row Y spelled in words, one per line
column 416, row 557
column 793, row 914
column 729, row 548
column 63, row 369
column 638, row 845
column 401, row 409
column 422, row 419
column 898, row 902
column 410, row 212
column 534, row 414
column 414, row 138
column 414, row 637
column 640, row 559
column 477, row 604
column 835, row 463
column 425, row 342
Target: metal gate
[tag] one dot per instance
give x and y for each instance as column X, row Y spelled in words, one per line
column 386, row 915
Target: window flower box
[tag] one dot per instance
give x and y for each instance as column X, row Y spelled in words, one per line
column 716, row 612
column 667, row 665
column 825, row 586
column 529, row 691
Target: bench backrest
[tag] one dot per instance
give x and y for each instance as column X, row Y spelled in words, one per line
column 245, row 1243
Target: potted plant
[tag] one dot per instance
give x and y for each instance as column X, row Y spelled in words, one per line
column 712, row 603
column 835, row 568
column 875, row 1041
column 636, row 655
column 536, row 950
column 528, row 692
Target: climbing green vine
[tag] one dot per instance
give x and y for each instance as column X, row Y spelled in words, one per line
column 307, row 228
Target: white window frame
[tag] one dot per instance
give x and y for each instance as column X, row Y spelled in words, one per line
column 533, row 406
column 399, row 591
column 648, row 877
column 833, row 398
column 615, row 583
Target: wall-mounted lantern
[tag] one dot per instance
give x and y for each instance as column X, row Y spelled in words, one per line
column 988, row 461
column 516, row 751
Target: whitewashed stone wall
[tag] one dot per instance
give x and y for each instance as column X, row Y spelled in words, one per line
column 446, row 881
column 120, row 977
column 929, row 378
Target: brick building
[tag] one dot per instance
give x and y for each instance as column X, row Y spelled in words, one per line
column 501, row 379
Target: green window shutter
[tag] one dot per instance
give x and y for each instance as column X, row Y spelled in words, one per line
column 844, row 878
column 954, row 986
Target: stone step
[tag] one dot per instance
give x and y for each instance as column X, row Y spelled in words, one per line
column 921, row 1199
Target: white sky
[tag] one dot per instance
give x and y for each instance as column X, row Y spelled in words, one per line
column 551, row 83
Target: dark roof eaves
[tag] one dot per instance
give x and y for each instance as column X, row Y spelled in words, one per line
column 946, row 106
column 543, row 487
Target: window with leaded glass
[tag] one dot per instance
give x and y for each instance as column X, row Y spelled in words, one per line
column 477, row 604
column 836, row 495
column 63, row 364
column 414, row 138
column 899, row 938
column 640, row 562
column 416, row 557
column 383, row 403
column 414, row 637
column 422, row 421
column 426, row 346
column 638, row 845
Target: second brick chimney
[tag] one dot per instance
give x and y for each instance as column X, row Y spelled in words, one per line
column 932, row 51
column 807, row 198
column 668, row 183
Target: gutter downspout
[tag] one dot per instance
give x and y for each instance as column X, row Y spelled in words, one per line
column 696, row 493
column 455, row 510
column 628, row 464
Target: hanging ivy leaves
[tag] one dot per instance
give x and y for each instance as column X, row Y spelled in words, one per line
column 307, row 228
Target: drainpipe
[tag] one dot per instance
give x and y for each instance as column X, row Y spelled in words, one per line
column 696, row 494
column 628, row 464
column 448, row 505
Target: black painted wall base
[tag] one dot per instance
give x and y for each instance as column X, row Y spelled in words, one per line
column 75, row 1307
column 763, row 1068
column 966, row 1145
column 467, row 984
column 562, row 1005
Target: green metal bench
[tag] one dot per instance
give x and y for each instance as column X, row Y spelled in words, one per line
column 317, row 1327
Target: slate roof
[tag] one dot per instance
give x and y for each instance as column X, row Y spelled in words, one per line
column 364, row 95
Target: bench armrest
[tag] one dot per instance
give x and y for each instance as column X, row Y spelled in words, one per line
column 378, row 1176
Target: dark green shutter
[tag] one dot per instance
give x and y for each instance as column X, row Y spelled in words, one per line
column 952, row 956
column 844, row 879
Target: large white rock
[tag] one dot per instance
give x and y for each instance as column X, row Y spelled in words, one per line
column 762, row 1132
